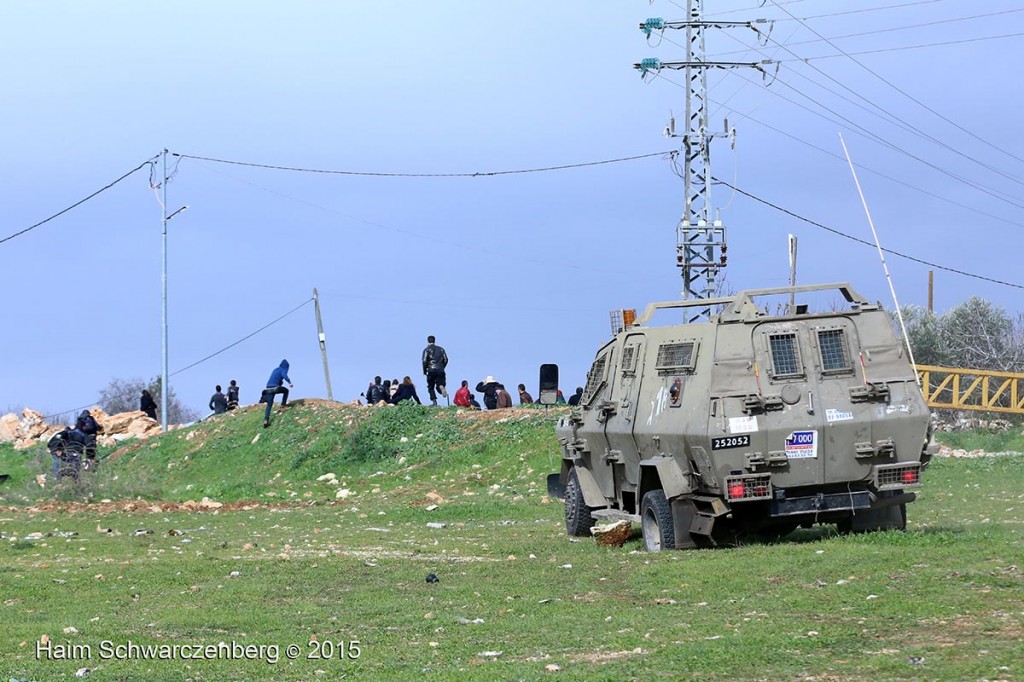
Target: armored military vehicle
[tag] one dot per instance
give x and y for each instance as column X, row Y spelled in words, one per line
column 747, row 423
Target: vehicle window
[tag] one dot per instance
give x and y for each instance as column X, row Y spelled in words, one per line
column 785, row 355
column 628, row 359
column 595, row 378
column 834, row 354
column 676, row 355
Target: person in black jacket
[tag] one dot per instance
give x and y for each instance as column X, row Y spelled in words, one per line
column 376, row 392
column 574, row 399
column 232, row 395
column 218, row 403
column 489, row 387
column 147, row 404
column 434, row 362
column 86, row 423
column 406, row 391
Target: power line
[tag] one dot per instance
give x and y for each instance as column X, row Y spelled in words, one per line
column 888, row 30
column 198, row 362
column 908, row 47
column 79, row 202
column 864, row 241
column 856, row 128
column 901, row 90
column 879, row 173
column 885, row 116
column 405, row 231
column 247, row 336
column 478, row 174
column 900, row 123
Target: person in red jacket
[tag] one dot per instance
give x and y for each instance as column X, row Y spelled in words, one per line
column 462, row 395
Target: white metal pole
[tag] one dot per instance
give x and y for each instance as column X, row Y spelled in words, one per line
column 163, row 381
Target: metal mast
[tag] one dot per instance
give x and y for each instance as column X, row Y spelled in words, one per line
column 700, row 236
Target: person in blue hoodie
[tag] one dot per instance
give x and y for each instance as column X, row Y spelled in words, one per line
column 275, row 385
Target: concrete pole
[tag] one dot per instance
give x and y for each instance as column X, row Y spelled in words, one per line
column 323, row 342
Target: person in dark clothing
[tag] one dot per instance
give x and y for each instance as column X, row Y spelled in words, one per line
column 232, row 395
column 574, row 399
column 147, row 404
column 524, row 397
column 376, row 392
column 218, row 403
column 275, row 385
column 86, row 423
column 434, row 362
column 406, row 391
column 489, row 388
column 473, row 404
column 67, row 448
column 502, row 398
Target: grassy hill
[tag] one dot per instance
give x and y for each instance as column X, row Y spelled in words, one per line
column 231, row 457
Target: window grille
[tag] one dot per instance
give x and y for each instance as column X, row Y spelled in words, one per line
column 675, row 355
column 595, row 378
column 834, row 354
column 785, row 355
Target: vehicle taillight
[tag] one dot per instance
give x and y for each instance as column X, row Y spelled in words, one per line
column 911, row 475
column 736, row 490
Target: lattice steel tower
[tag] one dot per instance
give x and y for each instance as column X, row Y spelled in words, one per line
column 701, row 248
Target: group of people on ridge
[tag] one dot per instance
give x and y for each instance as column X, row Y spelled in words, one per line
column 435, row 362
column 221, row 403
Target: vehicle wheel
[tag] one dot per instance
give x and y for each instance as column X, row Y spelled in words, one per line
column 656, row 522
column 578, row 520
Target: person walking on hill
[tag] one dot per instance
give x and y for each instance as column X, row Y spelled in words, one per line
column 434, row 362
column 147, row 404
column 275, row 385
column 524, row 397
column 574, row 399
column 232, row 395
column 218, row 403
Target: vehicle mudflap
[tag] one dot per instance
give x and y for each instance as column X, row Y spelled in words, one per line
column 693, row 518
column 556, row 486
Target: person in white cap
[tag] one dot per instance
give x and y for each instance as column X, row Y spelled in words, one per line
column 489, row 387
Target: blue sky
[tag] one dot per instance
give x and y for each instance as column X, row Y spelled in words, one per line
column 508, row 272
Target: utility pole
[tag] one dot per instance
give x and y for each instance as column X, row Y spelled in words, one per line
column 163, row 278
column 323, row 342
column 931, row 291
column 700, row 236
column 164, row 375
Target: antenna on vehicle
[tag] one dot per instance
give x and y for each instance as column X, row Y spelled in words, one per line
column 881, row 255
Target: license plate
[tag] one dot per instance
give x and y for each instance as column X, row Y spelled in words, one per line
column 727, row 442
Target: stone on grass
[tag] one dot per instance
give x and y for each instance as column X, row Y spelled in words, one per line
column 614, row 534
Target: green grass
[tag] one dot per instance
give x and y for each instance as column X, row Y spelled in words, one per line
column 1011, row 440
column 815, row 605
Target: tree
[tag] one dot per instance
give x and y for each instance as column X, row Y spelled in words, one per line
column 923, row 332
column 122, row 395
column 973, row 335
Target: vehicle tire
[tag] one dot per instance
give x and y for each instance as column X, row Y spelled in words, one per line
column 578, row 520
column 656, row 522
